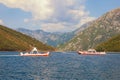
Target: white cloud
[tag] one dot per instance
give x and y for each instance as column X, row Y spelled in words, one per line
column 56, row 27
column 40, row 9
column 84, row 20
column 53, row 27
column 67, row 12
column 53, row 15
column 1, row 22
column 70, row 2
column 26, row 20
column 79, row 12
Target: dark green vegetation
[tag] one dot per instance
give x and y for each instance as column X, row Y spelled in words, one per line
column 111, row 45
column 99, row 31
column 11, row 40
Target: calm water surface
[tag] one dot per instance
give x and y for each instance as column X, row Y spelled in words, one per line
column 59, row 66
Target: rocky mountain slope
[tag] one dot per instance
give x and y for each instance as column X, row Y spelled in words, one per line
column 11, row 40
column 99, row 31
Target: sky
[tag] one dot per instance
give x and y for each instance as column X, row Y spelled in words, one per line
column 52, row 15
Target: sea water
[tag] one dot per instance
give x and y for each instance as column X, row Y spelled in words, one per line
column 60, row 66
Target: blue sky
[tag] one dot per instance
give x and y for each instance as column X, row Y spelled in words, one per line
column 52, row 15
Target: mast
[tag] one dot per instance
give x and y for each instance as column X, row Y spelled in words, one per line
column 34, row 50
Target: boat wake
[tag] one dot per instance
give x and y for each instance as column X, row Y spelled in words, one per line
column 8, row 55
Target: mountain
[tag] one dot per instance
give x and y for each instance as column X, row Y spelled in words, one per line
column 11, row 40
column 111, row 45
column 55, row 38
column 52, row 39
column 83, row 27
column 99, row 31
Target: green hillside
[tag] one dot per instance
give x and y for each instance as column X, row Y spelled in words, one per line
column 111, row 45
column 11, row 40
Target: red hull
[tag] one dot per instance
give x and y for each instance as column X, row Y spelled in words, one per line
column 90, row 53
column 27, row 54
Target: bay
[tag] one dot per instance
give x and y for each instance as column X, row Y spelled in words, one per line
column 60, row 66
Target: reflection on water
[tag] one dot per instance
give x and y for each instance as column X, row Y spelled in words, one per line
column 59, row 66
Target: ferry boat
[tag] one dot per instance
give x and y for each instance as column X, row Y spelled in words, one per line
column 90, row 52
column 34, row 52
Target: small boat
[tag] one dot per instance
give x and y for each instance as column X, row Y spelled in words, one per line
column 34, row 52
column 90, row 52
